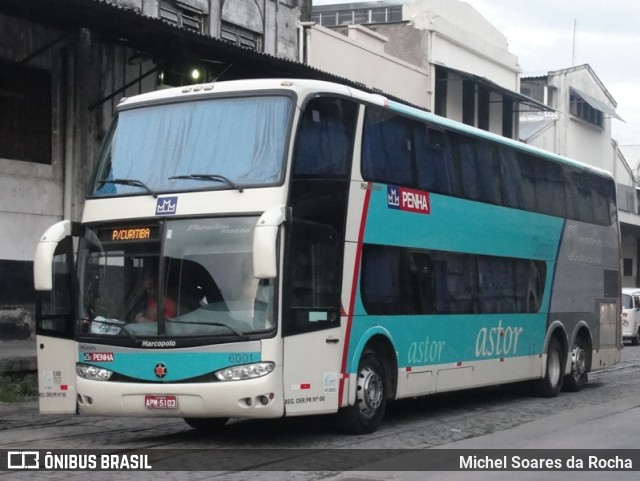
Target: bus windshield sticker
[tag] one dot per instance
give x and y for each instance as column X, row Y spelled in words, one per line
column 315, row 316
column 410, row 200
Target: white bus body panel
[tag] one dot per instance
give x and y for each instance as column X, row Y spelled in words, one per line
column 56, row 375
column 311, row 385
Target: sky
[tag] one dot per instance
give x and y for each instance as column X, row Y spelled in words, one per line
column 607, row 37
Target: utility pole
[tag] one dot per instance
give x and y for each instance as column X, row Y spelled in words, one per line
column 573, row 52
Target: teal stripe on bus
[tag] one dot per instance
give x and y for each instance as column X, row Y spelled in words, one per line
column 423, row 340
column 179, row 365
column 459, row 225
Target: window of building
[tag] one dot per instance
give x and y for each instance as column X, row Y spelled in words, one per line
column 182, row 15
column 358, row 16
column 580, row 108
column 468, row 102
column 484, row 97
column 507, row 117
column 345, row 17
column 240, row 36
column 534, row 91
column 25, row 113
column 627, row 267
column 442, row 84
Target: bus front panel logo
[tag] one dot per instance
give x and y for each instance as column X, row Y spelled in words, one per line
column 160, row 370
column 411, row 200
column 166, row 205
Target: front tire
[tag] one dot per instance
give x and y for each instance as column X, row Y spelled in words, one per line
column 635, row 340
column 551, row 384
column 365, row 416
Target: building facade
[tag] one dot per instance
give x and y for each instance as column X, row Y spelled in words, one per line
column 463, row 69
column 65, row 65
column 580, row 127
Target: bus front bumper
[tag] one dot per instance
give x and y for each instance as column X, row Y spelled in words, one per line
column 254, row 398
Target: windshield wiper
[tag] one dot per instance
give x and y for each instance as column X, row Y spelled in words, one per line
column 211, row 177
column 132, row 182
column 240, row 334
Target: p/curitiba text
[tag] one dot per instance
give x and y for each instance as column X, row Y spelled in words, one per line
column 536, row 463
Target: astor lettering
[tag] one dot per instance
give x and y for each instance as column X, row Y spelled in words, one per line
column 498, row 340
column 425, row 351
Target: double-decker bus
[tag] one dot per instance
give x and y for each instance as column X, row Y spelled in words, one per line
column 269, row 248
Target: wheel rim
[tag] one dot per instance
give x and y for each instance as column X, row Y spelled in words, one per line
column 370, row 392
column 553, row 366
column 579, row 362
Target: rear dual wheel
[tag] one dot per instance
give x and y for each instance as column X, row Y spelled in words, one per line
column 578, row 376
column 551, row 384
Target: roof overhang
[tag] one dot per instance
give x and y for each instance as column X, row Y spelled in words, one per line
column 494, row 87
column 596, row 104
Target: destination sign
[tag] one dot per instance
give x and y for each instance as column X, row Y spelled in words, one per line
column 128, row 234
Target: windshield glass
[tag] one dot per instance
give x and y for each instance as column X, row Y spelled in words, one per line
column 200, row 271
column 627, row 301
column 215, row 144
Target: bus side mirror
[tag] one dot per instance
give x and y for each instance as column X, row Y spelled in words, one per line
column 265, row 236
column 45, row 251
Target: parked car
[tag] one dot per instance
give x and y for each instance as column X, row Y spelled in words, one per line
column 631, row 315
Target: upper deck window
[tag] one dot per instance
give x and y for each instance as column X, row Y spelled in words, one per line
column 239, row 139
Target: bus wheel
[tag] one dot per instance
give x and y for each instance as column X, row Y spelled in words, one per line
column 550, row 385
column 206, row 424
column 365, row 416
column 578, row 376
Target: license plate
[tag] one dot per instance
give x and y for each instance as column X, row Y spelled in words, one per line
column 154, row 401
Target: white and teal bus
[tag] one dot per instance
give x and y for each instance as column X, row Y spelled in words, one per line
column 308, row 248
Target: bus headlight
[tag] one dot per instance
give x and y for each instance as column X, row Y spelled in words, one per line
column 93, row 373
column 245, row 371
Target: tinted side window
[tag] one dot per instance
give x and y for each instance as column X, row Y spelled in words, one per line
column 480, row 170
column 398, row 280
column 387, row 148
column 324, row 145
column 435, row 168
column 407, row 152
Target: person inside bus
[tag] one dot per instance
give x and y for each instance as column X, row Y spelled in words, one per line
column 149, row 311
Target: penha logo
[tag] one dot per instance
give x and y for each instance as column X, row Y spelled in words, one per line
column 166, row 205
column 411, row 200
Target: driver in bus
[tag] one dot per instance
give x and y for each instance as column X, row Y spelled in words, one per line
column 149, row 312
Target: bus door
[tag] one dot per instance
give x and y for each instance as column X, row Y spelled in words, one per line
column 311, row 318
column 56, row 287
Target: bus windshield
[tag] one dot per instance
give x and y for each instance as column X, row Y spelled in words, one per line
column 194, row 145
column 178, row 278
